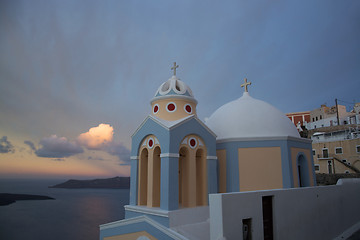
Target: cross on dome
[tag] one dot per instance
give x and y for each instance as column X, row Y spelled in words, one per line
column 245, row 84
column 174, row 68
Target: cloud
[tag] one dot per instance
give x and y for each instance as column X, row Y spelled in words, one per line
column 6, row 146
column 117, row 149
column 101, row 138
column 57, row 147
column 31, row 145
column 95, row 158
column 97, row 137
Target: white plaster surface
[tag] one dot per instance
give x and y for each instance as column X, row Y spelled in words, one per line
column 195, row 231
column 192, row 223
column 174, row 84
column 298, row 213
column 248, row 117
column 188, row 216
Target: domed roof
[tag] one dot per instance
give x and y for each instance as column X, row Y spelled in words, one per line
column 248, row 117
column 174, row 88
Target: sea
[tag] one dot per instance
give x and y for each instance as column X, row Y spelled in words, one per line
column 74, row 214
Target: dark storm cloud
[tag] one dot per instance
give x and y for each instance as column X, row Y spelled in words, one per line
column 57, row 147
column 117, row 149
column 31, row 145
column 95, row 158
column 6, row 146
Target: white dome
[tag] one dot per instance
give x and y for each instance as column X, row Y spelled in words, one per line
column 248, row 117
column 174, row 88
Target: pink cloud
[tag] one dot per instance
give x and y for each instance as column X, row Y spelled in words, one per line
column 97, row 137
column 101, row 138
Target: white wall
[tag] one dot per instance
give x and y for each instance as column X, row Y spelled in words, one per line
column 298, row 213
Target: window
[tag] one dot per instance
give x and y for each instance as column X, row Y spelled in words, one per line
column 316, row 118
column 320, row 117
column 314, row 152
column 325, row 153
column 358, row 149
column 313, row 119
column 338, row 150
column 317, row 167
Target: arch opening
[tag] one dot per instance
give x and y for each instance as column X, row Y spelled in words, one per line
column 201, row 186
column 303, row 171
column 183, row 177
column 143, row 177
column 156, row 176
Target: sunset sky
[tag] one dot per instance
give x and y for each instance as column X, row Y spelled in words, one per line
column 76, row 77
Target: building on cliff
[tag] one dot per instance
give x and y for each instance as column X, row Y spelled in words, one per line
column 232, row 177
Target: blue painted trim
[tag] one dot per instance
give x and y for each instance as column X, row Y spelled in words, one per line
column 133, row 182
column 169, row 194
column 192, row 126
column 212, row 176
column 304, row 168
column 232, row 163
column 150, row 127
column 286, row 165
column 170, row 140
column 308, row 146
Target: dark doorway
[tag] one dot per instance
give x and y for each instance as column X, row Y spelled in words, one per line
column 247, row 229
column 330, row 167
column 303, row 171
column 267, row 206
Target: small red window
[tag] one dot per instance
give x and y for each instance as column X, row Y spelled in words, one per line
column 192, row 142
column 188, row 108
column 151, row 143
column 156, row 108
column 171, row 107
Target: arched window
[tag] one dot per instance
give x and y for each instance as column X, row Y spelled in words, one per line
column 156, row 177
column 183, row 176
column 303, row 171
column 192, row 172
column 201, row 194
column 143, row 177
column 149, row 172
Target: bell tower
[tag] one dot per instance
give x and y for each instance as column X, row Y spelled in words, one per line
column 173, row 162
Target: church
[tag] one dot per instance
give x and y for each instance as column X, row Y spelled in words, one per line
column 180, row 165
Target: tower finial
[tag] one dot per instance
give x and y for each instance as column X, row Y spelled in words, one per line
column 174, row 68
column 245, row 84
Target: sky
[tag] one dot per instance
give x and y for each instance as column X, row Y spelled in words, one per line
column 77, row 77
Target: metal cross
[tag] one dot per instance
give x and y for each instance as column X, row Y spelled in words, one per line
column 245, row 84
column 174, row 68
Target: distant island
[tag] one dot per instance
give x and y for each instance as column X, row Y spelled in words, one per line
column 9, row 198
column 114, row 183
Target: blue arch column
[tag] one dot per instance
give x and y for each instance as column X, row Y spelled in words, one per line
column 212, row 176
column 133, row 181
column 169, row 193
